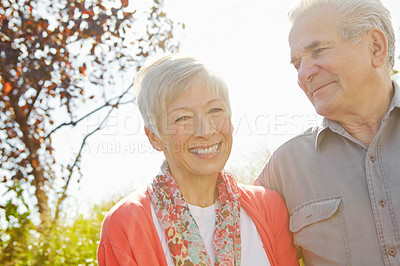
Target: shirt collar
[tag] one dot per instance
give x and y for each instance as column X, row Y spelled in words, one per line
column 326, row 123
column 396, row 98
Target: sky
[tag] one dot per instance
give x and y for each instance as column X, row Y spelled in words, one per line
column 245, row 41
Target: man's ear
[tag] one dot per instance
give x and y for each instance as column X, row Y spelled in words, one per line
column 379, row 47
column 155, row 141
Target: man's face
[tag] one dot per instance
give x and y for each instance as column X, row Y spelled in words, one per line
column 332, row 72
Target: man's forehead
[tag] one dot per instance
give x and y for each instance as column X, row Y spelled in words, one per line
column 316, row 20
column 310, row 32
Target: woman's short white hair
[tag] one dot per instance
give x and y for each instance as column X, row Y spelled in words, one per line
column 355, row 17
column 163, row 80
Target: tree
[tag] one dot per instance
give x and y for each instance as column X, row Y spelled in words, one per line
column 57, row 58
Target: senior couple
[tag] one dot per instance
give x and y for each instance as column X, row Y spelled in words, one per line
column 331, row 195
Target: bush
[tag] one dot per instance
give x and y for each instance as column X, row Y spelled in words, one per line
column 73, row 243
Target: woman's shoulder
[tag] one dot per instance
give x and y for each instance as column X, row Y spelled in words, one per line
column 132, row 207
column 259, row 192
column 266, row 202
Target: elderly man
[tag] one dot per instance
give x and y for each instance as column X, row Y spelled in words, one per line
column 341, row 180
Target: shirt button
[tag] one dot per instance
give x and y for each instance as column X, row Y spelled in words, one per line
column 392, row 252
column 372, row 158
column 382, row 202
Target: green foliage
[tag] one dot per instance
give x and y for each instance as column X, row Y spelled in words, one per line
column 65, row 244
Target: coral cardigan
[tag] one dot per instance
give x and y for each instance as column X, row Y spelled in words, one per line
column 129, row 237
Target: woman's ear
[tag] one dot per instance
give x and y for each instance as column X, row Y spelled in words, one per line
column 379, row 47
column 155, row 141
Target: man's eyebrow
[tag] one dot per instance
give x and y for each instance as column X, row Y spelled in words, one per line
column 307, row 48
column 312, row 45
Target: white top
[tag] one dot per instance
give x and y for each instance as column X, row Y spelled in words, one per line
column 253, row 252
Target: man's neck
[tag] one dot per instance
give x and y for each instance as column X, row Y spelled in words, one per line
column 366, row 124
column 363, row 132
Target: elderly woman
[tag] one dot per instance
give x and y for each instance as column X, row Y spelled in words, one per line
column 193, row 212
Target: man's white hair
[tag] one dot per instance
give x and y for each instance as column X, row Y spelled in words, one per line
column 355, row 17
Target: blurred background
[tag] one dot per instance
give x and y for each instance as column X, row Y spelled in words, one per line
column 72, row 139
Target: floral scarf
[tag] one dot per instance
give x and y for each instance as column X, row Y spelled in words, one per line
column 181, row 231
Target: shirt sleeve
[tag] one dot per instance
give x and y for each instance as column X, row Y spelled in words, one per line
column 285, row 251
column 268, row 212
column 268, row 176
column 128, row 235
column 110, row 256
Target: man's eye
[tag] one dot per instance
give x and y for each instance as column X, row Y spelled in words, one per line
column 319, row 51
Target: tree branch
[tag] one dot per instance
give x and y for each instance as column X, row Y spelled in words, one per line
column 78, row 156
column 30, row 108
column 74, row 123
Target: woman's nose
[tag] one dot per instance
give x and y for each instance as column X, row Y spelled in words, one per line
column 204, row 126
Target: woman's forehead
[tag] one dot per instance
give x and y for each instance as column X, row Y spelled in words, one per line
column 197, row 95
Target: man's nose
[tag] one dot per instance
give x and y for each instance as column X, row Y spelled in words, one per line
column 306, row 70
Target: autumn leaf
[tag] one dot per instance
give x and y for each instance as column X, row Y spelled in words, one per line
column 82, row 69
column 7, row 87
column 124, row 3
column 35, row 163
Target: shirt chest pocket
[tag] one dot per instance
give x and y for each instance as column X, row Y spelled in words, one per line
column 319, row 230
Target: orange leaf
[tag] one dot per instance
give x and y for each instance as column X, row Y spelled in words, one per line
column 124, row 3
column 7, row 87
column 82, row 69
column 35, row 163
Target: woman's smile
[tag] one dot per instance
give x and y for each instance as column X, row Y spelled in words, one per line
column 211, row 150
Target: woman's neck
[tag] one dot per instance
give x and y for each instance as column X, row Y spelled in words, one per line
column 197, row 190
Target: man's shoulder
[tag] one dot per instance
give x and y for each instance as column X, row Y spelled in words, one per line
column 306, row 139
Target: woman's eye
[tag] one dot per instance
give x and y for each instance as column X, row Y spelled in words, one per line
column 215, row 110
column 182, row 119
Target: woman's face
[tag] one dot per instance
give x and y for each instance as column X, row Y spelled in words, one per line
column 196, row 136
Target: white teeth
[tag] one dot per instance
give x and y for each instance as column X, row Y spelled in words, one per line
column 207, row 151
